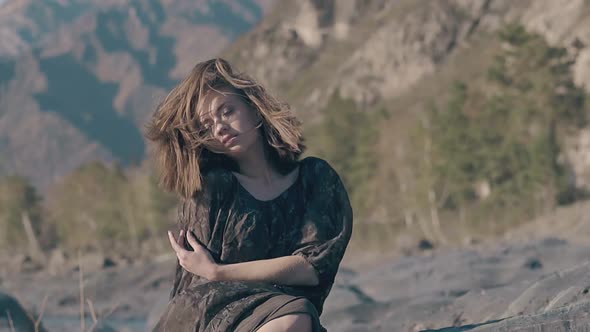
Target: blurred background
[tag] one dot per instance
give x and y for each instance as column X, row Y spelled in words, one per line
column 454, row 124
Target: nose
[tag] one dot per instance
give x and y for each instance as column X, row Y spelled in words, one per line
column 220, row 128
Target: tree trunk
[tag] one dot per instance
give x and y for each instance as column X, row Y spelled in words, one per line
column 34, row 248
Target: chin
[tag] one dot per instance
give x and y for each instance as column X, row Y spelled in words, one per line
column 239, row 149
column 235, row 151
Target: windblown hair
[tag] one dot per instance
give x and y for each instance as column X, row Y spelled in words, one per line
column 183, row 154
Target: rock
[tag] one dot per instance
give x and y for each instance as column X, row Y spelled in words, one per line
column 94, row 262
column 569, row 318
column 425, row 245
column 103, row 327
column 344, row 297
column 405, row 243
column 56, row 265
column 553, row 241
column 533, row 264
column 470, row 241
column 13, row 314
column 17, row 262
column 89, row 263
column 109, row 262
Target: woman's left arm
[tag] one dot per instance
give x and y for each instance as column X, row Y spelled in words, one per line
column 286, row 270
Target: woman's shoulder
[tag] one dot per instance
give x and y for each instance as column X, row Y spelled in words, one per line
column 322, row 183
column 318, row 173
column 315, row 166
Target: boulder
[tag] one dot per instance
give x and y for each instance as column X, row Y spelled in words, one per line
column 13, row 315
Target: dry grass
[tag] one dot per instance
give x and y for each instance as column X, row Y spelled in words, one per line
column 95, row 319
column 10, row 322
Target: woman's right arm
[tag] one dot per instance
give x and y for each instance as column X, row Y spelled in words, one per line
column 197, row 215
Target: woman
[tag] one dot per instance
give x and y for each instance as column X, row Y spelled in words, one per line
column 262, row 233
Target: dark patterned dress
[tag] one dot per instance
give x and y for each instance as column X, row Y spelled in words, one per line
column 312, row 218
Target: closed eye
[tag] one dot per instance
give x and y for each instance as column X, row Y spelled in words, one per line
column 227, row 112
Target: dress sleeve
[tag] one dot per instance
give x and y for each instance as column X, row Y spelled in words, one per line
column 199, row 215
column 326, row 227
column 207, row 224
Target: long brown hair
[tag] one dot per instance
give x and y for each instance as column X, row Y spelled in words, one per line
column 182, row 153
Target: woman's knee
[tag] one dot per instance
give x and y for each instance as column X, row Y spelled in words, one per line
column 289, row 323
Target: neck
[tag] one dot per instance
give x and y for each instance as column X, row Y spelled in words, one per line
column 255, row 164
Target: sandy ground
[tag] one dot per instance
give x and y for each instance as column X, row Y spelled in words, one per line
column 537, row 279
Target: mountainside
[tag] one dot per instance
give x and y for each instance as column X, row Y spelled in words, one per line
column 374, row 50
column 402, row 58
column 78, row 78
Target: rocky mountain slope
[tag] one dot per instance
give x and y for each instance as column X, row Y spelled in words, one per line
column 375, row 50
column 403, row 57
column 123, row 55
column 78, row 78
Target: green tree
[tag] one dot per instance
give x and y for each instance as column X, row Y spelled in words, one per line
column 104, row 208
column 86, row 208
column 346, row 138
column 149, row 210
column 505, row 133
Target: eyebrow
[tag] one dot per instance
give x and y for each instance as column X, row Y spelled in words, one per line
column 225, row 103
column 216, row 111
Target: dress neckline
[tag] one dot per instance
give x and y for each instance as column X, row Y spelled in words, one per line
column 277, row 197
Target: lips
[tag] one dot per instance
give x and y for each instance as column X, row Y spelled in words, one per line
column 226, row 139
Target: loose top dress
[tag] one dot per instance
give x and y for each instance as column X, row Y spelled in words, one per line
column 312, row 218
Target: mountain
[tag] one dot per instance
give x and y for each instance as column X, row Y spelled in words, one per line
column 375, row 50
column 78, row 78
column 403, row 57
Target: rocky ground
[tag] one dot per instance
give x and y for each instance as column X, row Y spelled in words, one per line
column 533, row 280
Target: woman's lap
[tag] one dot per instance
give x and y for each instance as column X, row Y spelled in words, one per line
column 295, row 322
column 184, row 314
column 279, row 306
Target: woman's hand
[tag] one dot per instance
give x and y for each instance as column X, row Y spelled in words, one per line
column 199, row 261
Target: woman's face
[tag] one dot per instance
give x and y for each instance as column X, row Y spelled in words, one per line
column 231, row 122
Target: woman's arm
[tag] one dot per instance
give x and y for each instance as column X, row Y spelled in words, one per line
column 287, row 270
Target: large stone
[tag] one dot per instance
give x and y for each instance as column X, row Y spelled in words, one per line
column 569, row 318
column 13, row 315
column 56, row 264
column 90, row 262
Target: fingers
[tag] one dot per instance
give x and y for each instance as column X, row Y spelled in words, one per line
column 192, row 240
column 174, row 243
column 180, row 240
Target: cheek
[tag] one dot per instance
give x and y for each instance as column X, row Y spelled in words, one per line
column 247, row 119
column 245, row 125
